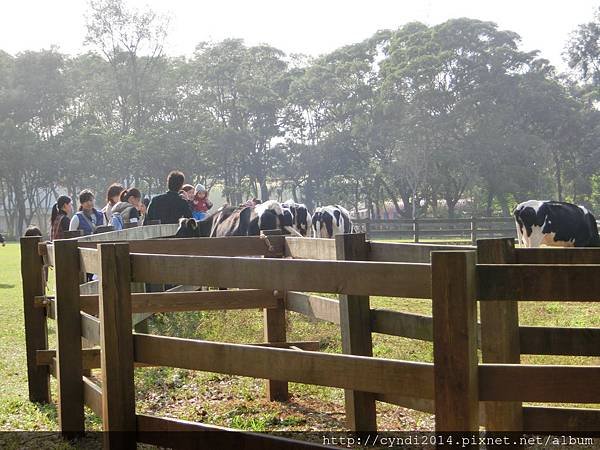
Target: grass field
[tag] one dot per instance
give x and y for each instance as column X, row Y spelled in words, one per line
column 237, row 401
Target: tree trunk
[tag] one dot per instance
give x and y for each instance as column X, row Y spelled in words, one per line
column 414, row 205
column 309, row 194
column 356, row 194
column 392, row 195
column 264, row 190
column 490, row 199
column 434, row 203
column 21, row 210
column 504, row 205
column 558, row 177
column 451, row 208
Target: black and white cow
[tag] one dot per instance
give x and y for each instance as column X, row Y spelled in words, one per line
column 330, row 220
column 556, row 224
column 238, row 221
column 298, row 212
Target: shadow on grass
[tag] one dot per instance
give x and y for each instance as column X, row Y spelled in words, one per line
column 48, row 439
column 326, row 418
column 49, row 410
column 6, row 286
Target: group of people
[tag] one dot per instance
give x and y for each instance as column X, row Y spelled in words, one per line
column 180, row 200
column 122, row 206
column 127, row 206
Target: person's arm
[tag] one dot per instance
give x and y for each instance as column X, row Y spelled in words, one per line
column 151, row 213
column 74, row 224
column 209, row 204
column 134, row 215
column 186, row 211
column 100, row 218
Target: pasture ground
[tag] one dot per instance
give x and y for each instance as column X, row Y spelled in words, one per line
column 239, row 402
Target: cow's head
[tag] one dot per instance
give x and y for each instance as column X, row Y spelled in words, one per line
column 273, row 216
column 189, row 228
column 322, row 222
column 530, row 214
column 301, row 220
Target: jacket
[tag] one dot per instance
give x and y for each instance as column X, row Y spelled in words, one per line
column 127, row 211
column 168, row 208
column 60, row 224
column 86, row 223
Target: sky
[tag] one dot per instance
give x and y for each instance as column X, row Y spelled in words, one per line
column 311, row 27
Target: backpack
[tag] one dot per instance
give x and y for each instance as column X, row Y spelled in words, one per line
column 116, row 220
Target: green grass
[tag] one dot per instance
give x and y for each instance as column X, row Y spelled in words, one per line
column 239, row 401
column 16, row 412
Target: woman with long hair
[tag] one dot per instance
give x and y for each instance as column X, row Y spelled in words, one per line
column 112, row 198
column 59, row 220
column 128, row 209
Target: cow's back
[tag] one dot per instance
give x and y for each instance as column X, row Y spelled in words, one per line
column 556, row 224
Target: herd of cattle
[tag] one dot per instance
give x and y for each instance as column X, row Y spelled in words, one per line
column 538, row 222
column 289, row 217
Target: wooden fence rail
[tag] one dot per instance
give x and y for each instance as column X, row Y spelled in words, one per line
column 466, row 229
column 452, row 387
column 411, row 280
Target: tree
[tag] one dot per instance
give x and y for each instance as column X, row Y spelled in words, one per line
column 243, row 91
column 132, row 42
column 451, row 77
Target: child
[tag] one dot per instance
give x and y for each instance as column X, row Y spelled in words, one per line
column 201, row 204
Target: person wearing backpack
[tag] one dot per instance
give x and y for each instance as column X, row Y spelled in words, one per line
column 127, row 209
column 88, row 218
column 112, row 198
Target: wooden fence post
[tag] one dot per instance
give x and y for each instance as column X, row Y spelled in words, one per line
column 116, row 339
column 473, row 230
column 355, row 327
column 36, row 329
column 274, row 321
column 68, row 337
column 455, row 341
column 416, row 229
column 500, row 335
column 275, row 331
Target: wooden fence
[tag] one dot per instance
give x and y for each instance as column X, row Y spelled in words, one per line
column 463, row 229
column 349, row 266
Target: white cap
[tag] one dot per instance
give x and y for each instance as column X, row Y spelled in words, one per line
column 200, row 188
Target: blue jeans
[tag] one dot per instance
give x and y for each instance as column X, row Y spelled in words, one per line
column 199, row 215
